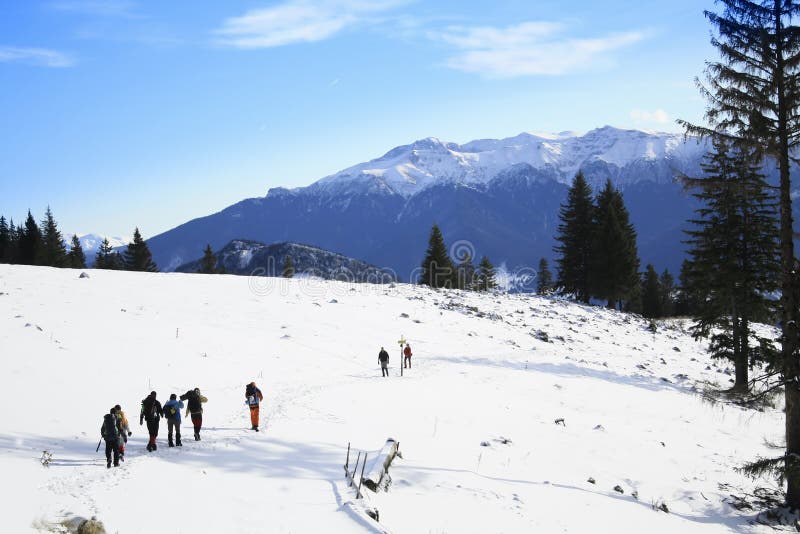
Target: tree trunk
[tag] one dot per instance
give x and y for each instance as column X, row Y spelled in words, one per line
column 788, row 304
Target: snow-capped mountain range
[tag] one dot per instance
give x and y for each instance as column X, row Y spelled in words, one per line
column 501, row 196
column 409, row 169
column 90, row 243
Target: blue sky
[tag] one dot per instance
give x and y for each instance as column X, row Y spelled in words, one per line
column 119, row 113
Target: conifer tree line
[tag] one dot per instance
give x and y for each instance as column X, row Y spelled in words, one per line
column 43, row 244
column 439, row 270
column 597, row 256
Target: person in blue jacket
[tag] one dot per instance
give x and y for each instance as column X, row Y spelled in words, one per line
column 172, row 411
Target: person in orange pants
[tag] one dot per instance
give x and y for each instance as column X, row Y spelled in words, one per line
column 253, row 398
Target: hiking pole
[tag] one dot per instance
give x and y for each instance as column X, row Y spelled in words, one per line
column 98, row 445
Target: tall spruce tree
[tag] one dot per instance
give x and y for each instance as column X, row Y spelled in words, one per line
column 667, row 285
column 137, row 257
column 30, row 242
column 5, row 240
column 733, row 258
column 15, row 235
column 753, row 97
column 208, row 265
column 76, row 258
column 544, row 278
column 53, row 252
column 575, row 235
column 651, row 294
column 687, row 294
column 485, row 278
column 102, row 259
column 437, row 267
column 614, row 261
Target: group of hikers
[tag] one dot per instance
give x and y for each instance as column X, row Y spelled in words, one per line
column 383, row 358
column 116, row 430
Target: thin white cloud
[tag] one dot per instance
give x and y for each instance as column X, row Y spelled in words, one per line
column 297, row 21
column 35, row 56
column 528, row 49
column 102, row 8
column 658, row 116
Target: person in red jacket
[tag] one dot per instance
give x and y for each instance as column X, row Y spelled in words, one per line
column 253, row 398
column 407, row 356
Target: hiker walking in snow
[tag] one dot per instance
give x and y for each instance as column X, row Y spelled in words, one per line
column 407, row 356
column 195, row 408
column 253, row 397
column 109, row 431
column 383, row 357
column 172, row 412
column 152, row 412
column 125, row 430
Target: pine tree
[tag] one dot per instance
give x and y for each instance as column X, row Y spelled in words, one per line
column 76, row 258
column 15, row 235
column 5, row 240
column 485, row 277
column 53, row 252
column 437, row 268
column 733, row 257
column 137, row 257
column 753, row 97
column 575, row 236
column 465, row 272
column 544, row 278
column 102, row 259
column 288, row 267
column 687, row 295
column 208, row 265
column 651, row 294
column 30, row 242
column 667, row 284
column 614, row 260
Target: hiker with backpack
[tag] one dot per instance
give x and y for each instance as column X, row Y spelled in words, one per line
column 383, row 358
column 172, row 412
column 152, row 412
column 407, row 356
column 195, row 408
column 109, row 431
column 125, row 430
column 253, row 398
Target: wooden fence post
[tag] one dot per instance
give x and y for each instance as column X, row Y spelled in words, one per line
column 361, row 478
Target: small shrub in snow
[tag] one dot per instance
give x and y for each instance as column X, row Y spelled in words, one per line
column 591, row 481
column 46, row 458
column 660, row 506
column 619, row 489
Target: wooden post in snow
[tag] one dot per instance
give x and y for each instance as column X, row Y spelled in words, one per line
column 380, row 465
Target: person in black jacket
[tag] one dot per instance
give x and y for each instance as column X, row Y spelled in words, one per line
column 383, row 357
column 152, row 412
column 195, row 408
column 110, row 432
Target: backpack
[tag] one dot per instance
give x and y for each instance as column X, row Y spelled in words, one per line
column 110, row 429
column 171, row 410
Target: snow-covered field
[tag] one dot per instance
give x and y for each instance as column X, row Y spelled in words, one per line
column 482, row 372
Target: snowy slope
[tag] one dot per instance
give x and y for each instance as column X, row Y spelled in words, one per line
column 482, row 371
column 409, row 169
